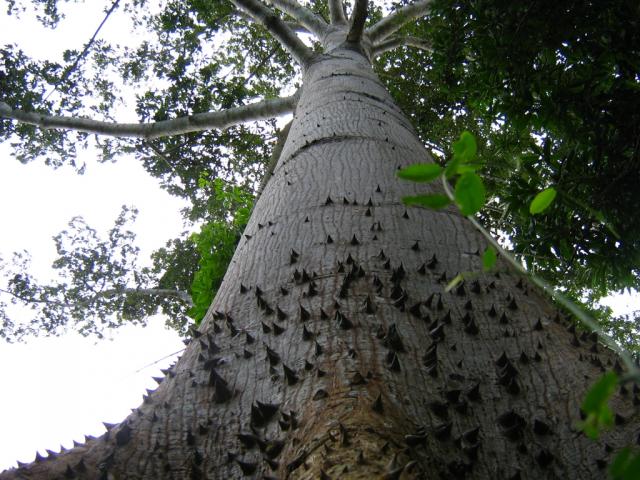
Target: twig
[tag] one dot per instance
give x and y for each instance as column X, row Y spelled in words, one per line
column 75, row 63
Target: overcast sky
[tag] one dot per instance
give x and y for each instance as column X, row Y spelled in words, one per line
column 56, row 390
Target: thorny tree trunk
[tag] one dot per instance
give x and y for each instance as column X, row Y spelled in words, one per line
column 332, row 350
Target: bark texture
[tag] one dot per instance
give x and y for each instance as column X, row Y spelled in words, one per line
column 331, row 349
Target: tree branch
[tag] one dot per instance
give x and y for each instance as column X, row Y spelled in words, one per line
column 358, row 17
column 294, row 26
column 67, row 71
column 395, row 42
column 314, row 23
column 33, row 299
column 287, row 38
column 395, row 21
column 192, row 123
column 160, row 292
column 336, row 11
column 158, row 153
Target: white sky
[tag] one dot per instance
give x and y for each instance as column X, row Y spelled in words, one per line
column 58, row 389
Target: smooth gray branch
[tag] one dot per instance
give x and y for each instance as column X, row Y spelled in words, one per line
column 395, row 21
column 336, row 11
column 192, row 123
column 294, row 26
column 395, row 42
column 312, row 22
column 276, row 26
column 358, row 17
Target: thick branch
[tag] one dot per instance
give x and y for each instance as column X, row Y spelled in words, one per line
column 294, row 26
column 287, row 38
column 395, row 21
column 336, row 11
column 395, row 42
column 192, row 123
column 358, row 18
column 306, row 17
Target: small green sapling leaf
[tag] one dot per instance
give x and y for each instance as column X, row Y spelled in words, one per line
column 465, row 148
column 470, row 193
column 625, row 465
column 468, row 167
column 464, row 152
column 435, row 200
column 595, row 407
column 542, row 200
column 489, row 258
column 420, row 172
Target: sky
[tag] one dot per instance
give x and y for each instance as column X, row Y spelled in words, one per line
column 56, row 390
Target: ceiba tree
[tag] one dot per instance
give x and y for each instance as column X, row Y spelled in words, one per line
column 332, row 349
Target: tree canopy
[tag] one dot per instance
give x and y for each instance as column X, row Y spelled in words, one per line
column 551, row 91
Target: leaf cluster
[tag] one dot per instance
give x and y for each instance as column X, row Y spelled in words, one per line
column 216, row 242
column 551, row 92
column 95, row 286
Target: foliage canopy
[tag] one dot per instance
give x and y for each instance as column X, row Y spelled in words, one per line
column 550, row 90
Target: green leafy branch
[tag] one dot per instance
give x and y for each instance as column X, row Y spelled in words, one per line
column 469, row 195
column 216, row 242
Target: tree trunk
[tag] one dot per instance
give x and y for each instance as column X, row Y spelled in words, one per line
column 331, row 349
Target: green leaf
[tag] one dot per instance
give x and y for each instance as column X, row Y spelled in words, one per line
column 600, row 392
column 452, row 167
column 619, row 463
column 434, row 200
column 489, row 258
column 420, row 172
column 625, row 465
column 464, row 152
column 598, row 414
column 542, row 201
column 465, row 148
column 468, row 167
column 470, row 193
column 632, row 472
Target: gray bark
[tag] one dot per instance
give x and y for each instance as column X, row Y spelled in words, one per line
column 332, row 350
column 277, row 28
column 358, row 17
column 196, row 122
column 312, row 22
column 395, row 42
column 396, row 20
column 336, row 12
